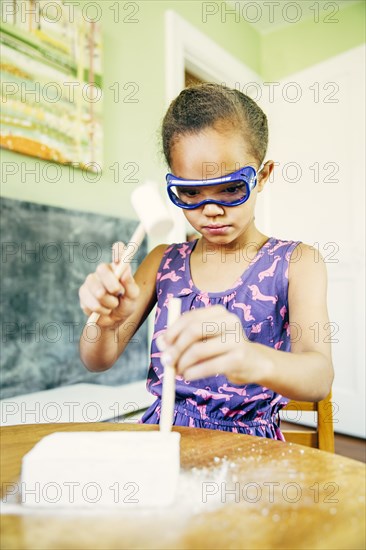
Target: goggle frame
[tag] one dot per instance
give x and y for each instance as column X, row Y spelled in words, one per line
column 246, row 174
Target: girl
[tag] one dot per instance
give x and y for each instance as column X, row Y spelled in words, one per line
column 244, row 344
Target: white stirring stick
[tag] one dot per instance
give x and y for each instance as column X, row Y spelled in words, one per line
column 168, row 395
column 135, row 242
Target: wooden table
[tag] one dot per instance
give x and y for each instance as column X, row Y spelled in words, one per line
column 271, row 495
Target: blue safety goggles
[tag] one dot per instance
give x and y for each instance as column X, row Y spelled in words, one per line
column 230, row 190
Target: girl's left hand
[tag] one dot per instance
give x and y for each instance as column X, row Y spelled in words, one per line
column 208, row 341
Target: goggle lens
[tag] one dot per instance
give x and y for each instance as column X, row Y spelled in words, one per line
column 232, row 193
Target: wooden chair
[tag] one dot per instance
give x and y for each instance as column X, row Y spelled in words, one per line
column 323, row 436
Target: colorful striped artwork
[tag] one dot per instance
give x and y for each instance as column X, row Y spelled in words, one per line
column 51, row 82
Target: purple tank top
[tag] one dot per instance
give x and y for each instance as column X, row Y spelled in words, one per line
column 259, row 299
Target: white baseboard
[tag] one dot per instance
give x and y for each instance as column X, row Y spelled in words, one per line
column 77, row 403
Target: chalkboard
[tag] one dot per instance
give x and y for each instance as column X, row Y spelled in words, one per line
column 46, row 254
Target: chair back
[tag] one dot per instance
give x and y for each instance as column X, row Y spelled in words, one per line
column 320, row 438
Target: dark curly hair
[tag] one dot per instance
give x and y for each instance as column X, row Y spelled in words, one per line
column 205, row 105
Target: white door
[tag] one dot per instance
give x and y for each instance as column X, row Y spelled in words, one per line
column 317, row 121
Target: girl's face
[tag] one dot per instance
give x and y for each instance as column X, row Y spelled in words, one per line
column 211, row 154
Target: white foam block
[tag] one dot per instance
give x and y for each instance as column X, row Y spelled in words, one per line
column 83, row 469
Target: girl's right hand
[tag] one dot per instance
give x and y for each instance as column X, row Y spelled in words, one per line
column 103, row 293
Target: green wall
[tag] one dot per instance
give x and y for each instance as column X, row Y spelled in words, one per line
column 134, row 57
column 308, row 42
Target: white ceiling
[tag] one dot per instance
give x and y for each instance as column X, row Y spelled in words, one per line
column 272, row 14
